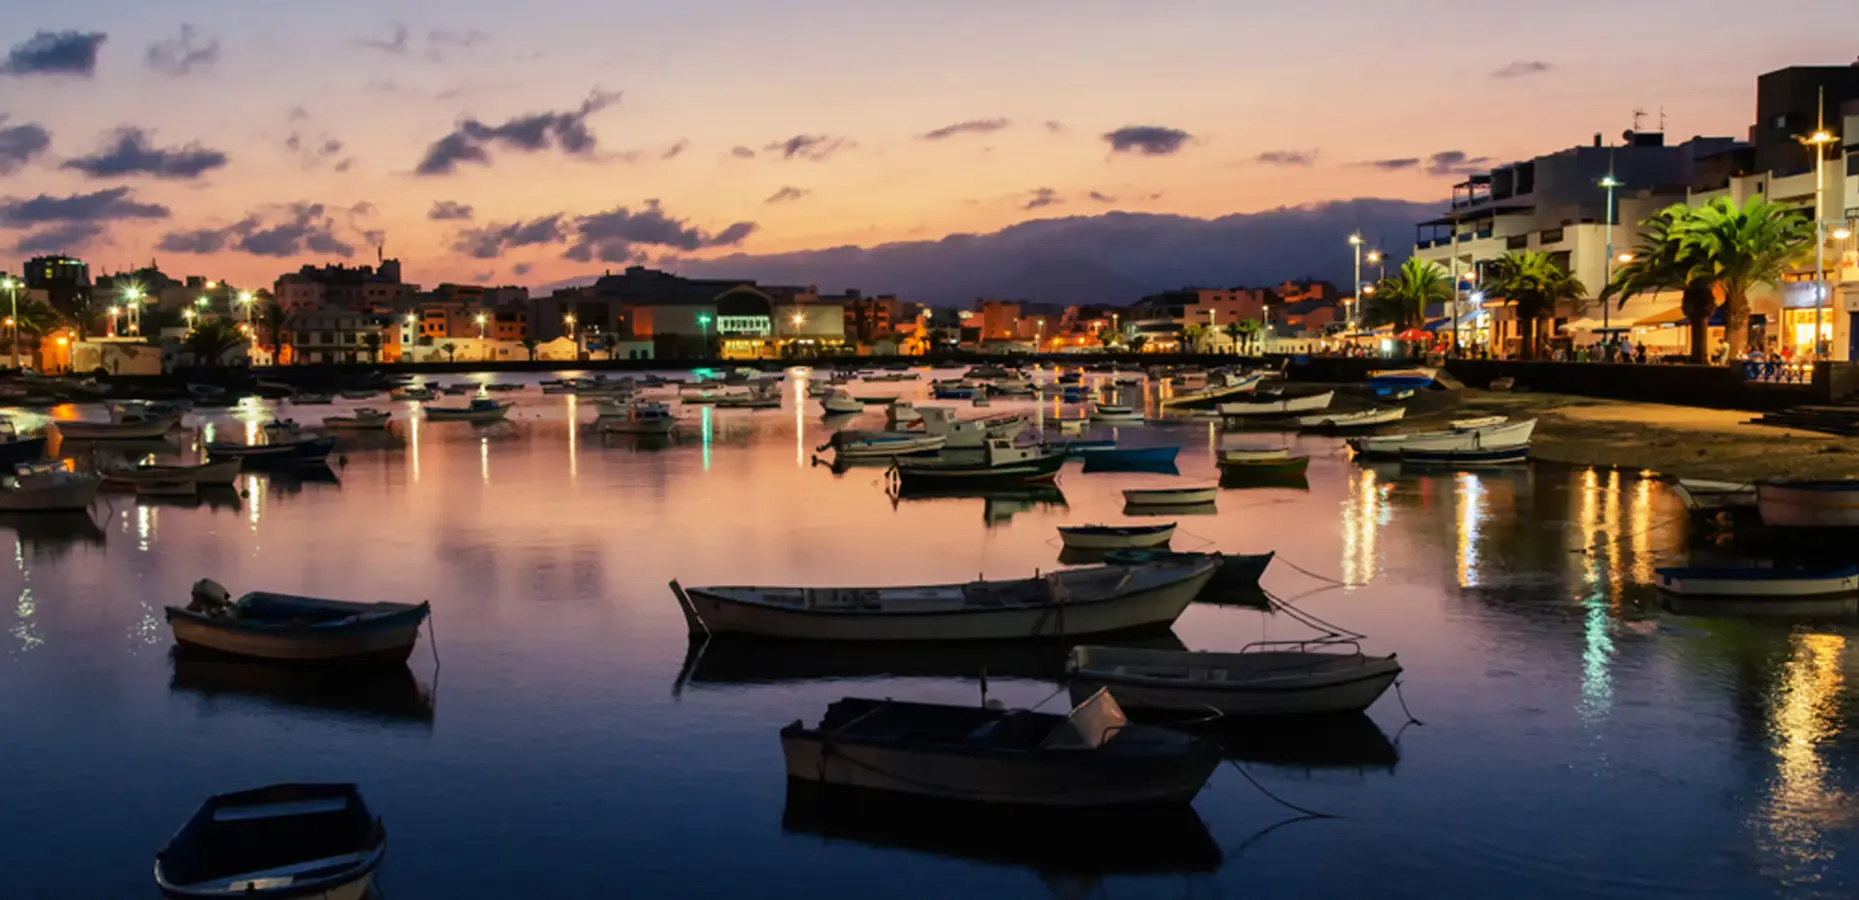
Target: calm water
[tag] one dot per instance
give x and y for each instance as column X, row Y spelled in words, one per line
column 1576, row 739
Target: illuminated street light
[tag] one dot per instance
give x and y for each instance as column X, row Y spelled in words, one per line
column 1840, row 234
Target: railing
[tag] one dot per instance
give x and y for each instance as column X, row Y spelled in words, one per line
column 1776, row 371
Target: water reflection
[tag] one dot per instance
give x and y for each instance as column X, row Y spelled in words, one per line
column 386, row 696
column 1365, row 513
column 999, row 505
column 1804, row 803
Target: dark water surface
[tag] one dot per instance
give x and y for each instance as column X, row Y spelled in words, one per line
column 1578, row 741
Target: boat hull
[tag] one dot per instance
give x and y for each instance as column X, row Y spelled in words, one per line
column 1126, row 455
column 885, row 449
column 1294, row 465
column 1171, row 496
column 1032, row 471
column 1285, row 407
column 1291, row 697
column 1489, row 456
column 638, row 426
column 22, row 450
column 259, row 455
column 1710, row 496
column 110, row 431
column 1750, row 591
column 387, row 640
column 1809, row 504
column 482, row 416
column 1389, row 446
column 221, row 474
column 350, row 423
column 1135, row 540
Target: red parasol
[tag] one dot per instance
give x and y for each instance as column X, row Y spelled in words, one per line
column 1414, row 334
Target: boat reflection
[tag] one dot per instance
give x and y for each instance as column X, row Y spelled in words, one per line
column 1092, row 464
column 1050, row 841
column 1233, row 479
column 52, row 530
column 1350, row 741
column 645, row 442
column 1000, row 504
column 1193, row 509
column 218, row 496
column 285, row 482
column 383, row 696
column 734, row 660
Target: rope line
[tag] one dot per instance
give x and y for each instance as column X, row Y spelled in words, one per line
column 1277, row 799
column 1410, row 715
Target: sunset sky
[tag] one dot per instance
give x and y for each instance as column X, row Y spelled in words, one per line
column 529, row 142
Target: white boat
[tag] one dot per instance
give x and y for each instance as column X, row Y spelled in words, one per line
column 364, row 419
column 1808, row 504
column 47, row 487
column 306, row 841
column 480, row 410
column 1116, row 537
column 1249, row 683
column 1477, row 422
column 970, row 433
column 1188, row 496
column 1359, row 418
column 1230, row 385
column 1389, row 446
column 1282, row 406
column 412, row 393
column 841, row 403
column 1744, row 590
column 128, row 422
column 1700, row 495
column 220, row 474
column 1107, row 412
column 883, row 444
column 289, row 628
column 903, row 412
column 644, row 417
column 1069, row 602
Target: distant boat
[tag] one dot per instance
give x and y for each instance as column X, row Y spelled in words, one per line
column 1281, row 406
column 645, row 417
column 1339, row 420
column 361, row 394
column 1270, row 462
column 1184, row 496
column 364, row 419
column 1115, row 537
column 412, row 393
column 15, row 448
column 1744, row 590
column 128, row 422
column 1481, row 456
column 1109, row 412
column 283, row 841
column 1237, row 572
column 1266, row 682
column 1076, row 448
column 1231, row 385
column 1476, row 422
column 883, row 444
column 1701, row 496
column 1001, row 464
column 312, row 399
column 970, row 433
column 1808, row 504
column 1128, row 455
column 299, row 451
column 218, row 474
column 480, row 410
column 842, row 403
column 875, row 399
column 1389, row 446
column 47, row 487
column 288, row 628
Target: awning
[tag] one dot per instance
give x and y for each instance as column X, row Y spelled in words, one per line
column 1676, row 316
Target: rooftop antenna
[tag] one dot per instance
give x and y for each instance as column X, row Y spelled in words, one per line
column 1638, row 114
column 1661, row 120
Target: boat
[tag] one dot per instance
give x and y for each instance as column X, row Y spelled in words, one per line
column 480, row 410
column 1264, row 682
column 285, row 840
column 954, row 392
column 1418, row 377
column 1481, row 456
column 1279, row 406
column 281, row 428
column 312, row 399
column 1476, row 422
column 848, row 445
column 970, row 433
column 1262, row 462
column 903, row 412
column 1092, row 758
column 841, row 403
column 1389, row 446
column 1185, row 496
column 1071, row 426
column 1808, row 504
column 1213, row 393
column 1238, row 572
column 1068, row 602
column 289, row 628
column 1746, row 590
column 1000, row 463
column 413, row 393
column 47, row 487
column 875, row 399
column 1125, row 456
column 364, row 419
column 986, row 373
column 215, row 474
column 645, row 417
column 299, row 451
column 16, row 448
column 1105, row 412
column 1115, row 537
column 1701, row 496
column 128, row 422
column 1338, row 420
column 1077, row 447
column 754, row 398
column 361, row 394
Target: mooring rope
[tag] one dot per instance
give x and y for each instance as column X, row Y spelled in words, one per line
column 1277, row 799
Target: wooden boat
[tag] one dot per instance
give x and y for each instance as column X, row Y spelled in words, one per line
column 15, row 448
column 128, row 422
column 970, row 433
column 1092, row 758
column 1808, row 504
column 286, row 840
column 1116, row 537
column 47, row 487
column 1186, row 496
column 1280, row 406
column 1001, row 463
column 1069, row 602
column 955, row 392
column 841, row 403
column 218, row 474
column 1265, row 682
column 882, row 444
column 1477, row 422
column 645, row 417
column 170, row 488
column 412, row 393
column 1701, row 496
column 1483, row 456
column 875, row 399
column 295, row 451
column 1418, row 377
column 479, row 411
column 1114, row 455
column 316, row 399
column 1232, row 385
column 288, row 628
column 1337, row 420
column 1105, row 412
column 1389, row 446
column 364, row 419
column 1263, row 462
column 1237, row 572
column 1744, row 590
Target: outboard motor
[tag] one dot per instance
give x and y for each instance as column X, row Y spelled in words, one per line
column 211, row 599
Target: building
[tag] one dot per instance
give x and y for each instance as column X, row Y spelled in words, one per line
column 675, row 306
column 356, row 288
column 1792, row 103
column 1161, row 318
column 62, row 282
column 999, row 320
column 332, row 336
column 810, row 328
column 870, row 320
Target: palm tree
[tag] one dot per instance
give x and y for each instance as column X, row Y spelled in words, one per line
column 1744, row 247
column 209, row 341
column 1137, row 342
column 1191, row 334
column 1664, row 261
column 530, row 344
column 372, row 340
column 1233, row 333
column 450, row 350
column 1253, row 329
column 1532, row 281
column 271, row 318
column 1401, row 300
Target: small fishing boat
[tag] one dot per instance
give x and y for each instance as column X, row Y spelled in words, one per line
column 970, row 433
column 903, row 412
column 1238, row 572
column 955, row 392
column 300, row 841
column 849, row 445
column 15, row 448
column 1389, row 446
column 645, row 417
column 1745, row 590
column 359, row 394
column 751, row 399
column 1278, row 461
column 1701, row 496
column 875, row 399
column 304, row 450
column 312, row 399
column 217, row 474
column 1808, row 504
column 1230, row 385
column 1125, row 456
column 1277, row 406
column 47, row 487
column 1001, row 463
column 1264, row 682
column 1106, row 412
column 288, row 628
column 840, row 403
column 1068, row 602
column 460, row 389
column 411, row 392
column 1418, row 377
column 1092, row 758
column 480, row 410
column 1184, row 496
column 1116, row 537
column 1338, row 420
column 128, row 422
column 1076, row 448
column 1476, row 422
column 1481, row 456
column 364, row 419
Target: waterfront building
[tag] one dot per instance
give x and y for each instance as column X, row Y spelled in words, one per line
column 356, row 288
column 332, row 335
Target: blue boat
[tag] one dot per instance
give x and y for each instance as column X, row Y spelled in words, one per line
column 1415, row 378
column 1477, row 456
column 1114, row 455
column 954, row 393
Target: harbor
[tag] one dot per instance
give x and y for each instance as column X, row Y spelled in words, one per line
column 1511, row 675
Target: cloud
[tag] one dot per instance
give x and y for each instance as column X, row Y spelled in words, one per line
column 974, row 126
column 296, row 229
column 1102, row 197
column 447, row 211
column 675, row 149
column 787, row 195
column 741, row 152
column 1054, row 127
column 59, row 238
column 396, row 45
column 1522, row 68
column 133, row 154
column 20, row 144
column 184, row 55
column 1396, row 164
column 440, row 39
column 1044, row 196
column 1148, row 140
column 609, row 236
column 814, row 147
column 1456, row 162
column 490, row 241
column 1287, row 158
column 520, row 269
column 55, row 53
column 471, row 140
column 103, row 206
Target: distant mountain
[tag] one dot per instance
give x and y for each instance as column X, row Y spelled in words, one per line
column 1110, row 258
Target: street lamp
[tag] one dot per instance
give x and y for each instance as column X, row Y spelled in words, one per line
column 481, row 326
column 245, row 303
column 12, row 293
column 132, row 300
column 703, row 324
column 188, row 314
column 1607, row 264
column 114, row 312
column 1819, row 141
column 1355, row 292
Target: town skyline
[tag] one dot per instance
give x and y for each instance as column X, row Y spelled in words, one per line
column 535, row 154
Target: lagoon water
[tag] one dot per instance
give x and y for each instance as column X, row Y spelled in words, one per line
column 567, row 740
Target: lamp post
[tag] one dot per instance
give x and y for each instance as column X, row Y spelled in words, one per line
column 1355, row 291
column 132, row 301
column 12, row 293
column 703, row 330
column 114, row 312
column 1819, row 141
column 1607, row 264
column 245, row 303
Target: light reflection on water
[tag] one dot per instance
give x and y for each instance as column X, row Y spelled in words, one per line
column 1578, row 740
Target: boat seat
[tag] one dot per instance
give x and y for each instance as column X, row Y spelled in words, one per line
column 285, row 874
column 275, row 810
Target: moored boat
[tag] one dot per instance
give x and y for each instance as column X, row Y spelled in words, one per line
column 298, row 841
column 298, row 451
column 17, row 448
column 1275, row 461
column 1116, row 537
column 1417, row 377
column 1000, row 463
column 359, row 394
column 903, row 412
column 1238, row 572
column 1476, row 422
column 882, row 444
column 1264, row 682
column 1702, row 496
column 1340, row 420
column 289, row 628
column 128, row 422
column 312, row 399
column 1389, row 446
column 1231, row 385
column 218, row 474
column 1124, row 456
column 1746, row 590
column 47, row 487
column 411, row 392
column 839, row 403
column 1279, row 406
column 480, row 410
column 970, row 433
column 1808, row 504
column 363, row 419
column 1185, row 496
column 1477, row 456
column 644, row 417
